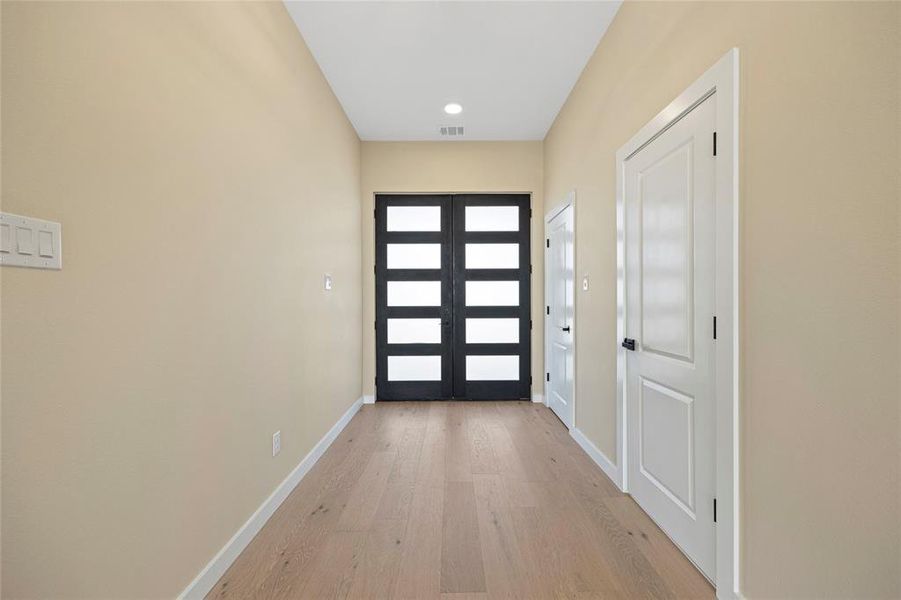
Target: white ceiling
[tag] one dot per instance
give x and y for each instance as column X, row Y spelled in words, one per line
column 394, row 65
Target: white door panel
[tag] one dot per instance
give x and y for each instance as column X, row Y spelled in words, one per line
column 666, row 253
column 670, row 243
column 560, row 314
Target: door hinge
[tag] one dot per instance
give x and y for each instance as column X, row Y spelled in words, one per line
column 530, row 380
column 548, row 242
column 375, row 324
column 374, row 270
column 714, row 327
column 373, row 213
column 714, row 143
column 530, row 323
column 548, row 309
column 530, row 269
column 714, row 510
column 530, row 213
column 548, row 376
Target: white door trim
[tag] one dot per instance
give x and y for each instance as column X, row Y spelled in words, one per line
column 721, row 79
column 568, row 201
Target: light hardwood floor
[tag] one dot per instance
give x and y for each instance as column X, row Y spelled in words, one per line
column 459, row 500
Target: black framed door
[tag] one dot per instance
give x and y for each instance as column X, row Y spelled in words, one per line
column 452, row 296
column 491, row 296
column 414, row 297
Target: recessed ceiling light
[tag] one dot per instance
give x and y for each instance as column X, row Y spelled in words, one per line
column 453, row 108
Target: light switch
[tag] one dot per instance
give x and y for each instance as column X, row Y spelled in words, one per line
column 6, row 237
column 585, row 283
column 24, row 240
column 28, row 242
column 45, row 243
column 328, row 282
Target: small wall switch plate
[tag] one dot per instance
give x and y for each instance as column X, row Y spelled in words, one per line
column 276, row 442
column 27, row 242
column 585, row 283
column 327, row 282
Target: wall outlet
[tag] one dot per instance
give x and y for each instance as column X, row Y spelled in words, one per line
column 276, row 442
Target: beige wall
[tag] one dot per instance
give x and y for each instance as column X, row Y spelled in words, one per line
column 819, row 269
column 451, row 167
column 206, row 178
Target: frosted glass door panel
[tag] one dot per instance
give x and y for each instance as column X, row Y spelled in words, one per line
column 414, row 331
column 492, row 368
column 492, row 256
column 414, row 293
column 492, row 218
column 492, row 293
column 414, row 368
column 414, row 256
column 413, row 218
column 492, row 331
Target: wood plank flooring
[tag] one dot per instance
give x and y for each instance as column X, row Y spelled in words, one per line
column 458, row 500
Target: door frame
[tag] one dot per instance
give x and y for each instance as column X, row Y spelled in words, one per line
column 723, row 80
column 568, row 202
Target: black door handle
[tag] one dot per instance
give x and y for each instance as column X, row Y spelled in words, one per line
column 629, row 344
column 565, row 328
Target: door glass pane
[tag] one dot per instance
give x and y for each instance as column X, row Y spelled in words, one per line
column 414, row 368
column 492, row 218
column 414, row 256
column 492, row 293
column 414, row 293
column 413, row 218
column 492, row 331
column 492, row 256
column 414, row 331
column 492, row 368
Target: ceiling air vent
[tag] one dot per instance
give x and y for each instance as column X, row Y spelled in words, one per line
column 451, row 130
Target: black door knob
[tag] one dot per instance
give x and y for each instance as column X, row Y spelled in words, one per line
column 565, row 328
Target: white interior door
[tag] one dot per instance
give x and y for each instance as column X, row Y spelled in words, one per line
column 670, row 274
column 560, row 314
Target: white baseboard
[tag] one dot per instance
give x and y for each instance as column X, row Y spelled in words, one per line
column 728, row 595
column 214, row 570
column 368, row 399
column 538, row 398
column 600, row 459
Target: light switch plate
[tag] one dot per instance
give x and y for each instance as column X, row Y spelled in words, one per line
column 28, row 242
column 327, row 282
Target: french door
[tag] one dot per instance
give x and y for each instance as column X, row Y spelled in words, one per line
column 452, row 296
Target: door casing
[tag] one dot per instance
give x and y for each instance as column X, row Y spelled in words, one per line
column 722, row 79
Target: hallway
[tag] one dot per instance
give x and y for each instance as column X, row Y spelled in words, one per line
column 459, row 499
